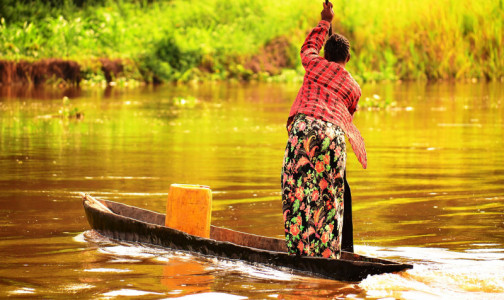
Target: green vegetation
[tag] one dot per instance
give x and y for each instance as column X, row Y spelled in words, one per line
column 216, row 39
column 426, row 39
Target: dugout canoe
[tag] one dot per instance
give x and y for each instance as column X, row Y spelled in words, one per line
column 128, row 223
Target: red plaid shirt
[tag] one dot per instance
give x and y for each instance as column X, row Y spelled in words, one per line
column 329, row 92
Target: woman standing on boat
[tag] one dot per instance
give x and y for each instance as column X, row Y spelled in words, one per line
column 315, row 157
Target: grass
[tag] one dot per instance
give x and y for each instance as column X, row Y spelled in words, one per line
column 214, row 39
column 426, row 39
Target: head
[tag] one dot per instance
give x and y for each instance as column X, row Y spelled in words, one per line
column 337, row 49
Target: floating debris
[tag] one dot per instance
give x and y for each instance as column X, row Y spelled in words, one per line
column 189, row 102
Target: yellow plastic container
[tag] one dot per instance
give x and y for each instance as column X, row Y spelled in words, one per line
column 189, row 209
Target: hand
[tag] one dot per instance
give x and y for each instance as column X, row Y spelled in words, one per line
column 327, row 13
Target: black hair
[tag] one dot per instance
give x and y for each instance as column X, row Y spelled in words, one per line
column 337, row 48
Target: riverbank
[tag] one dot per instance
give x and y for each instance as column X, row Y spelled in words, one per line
column 160, row 41
column 54, row 71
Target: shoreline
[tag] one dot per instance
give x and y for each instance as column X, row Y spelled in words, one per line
column 57, row 71
column 178, row 41
column 123, row 72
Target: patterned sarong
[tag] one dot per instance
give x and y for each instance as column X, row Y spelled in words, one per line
column 313, row 187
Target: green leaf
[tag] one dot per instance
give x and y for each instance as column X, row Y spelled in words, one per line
column 296, row 205
column 325, row 144
column 331, row 214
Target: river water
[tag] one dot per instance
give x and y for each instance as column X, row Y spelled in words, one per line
column 432, row 196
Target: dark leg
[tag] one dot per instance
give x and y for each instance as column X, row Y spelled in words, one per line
column 347, row 239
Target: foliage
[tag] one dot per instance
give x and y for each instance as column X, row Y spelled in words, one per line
column 425, row 39
column 69, row 111
column 213, row 39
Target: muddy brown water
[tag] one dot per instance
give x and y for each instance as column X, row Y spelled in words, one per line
column 433, row 194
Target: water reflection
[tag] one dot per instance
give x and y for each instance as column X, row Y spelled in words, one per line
column 39, row 92
column 185, row 274
column 437, row 273
column 186, row 277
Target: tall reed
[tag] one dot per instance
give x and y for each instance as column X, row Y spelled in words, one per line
column 431, row 39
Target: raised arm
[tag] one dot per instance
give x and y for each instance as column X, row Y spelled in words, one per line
column 315, row 39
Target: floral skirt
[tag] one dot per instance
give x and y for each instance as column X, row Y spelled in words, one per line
column 313, row 187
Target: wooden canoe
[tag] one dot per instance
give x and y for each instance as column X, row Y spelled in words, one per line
column 128, row 223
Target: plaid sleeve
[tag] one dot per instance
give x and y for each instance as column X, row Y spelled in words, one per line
column 357, row 95
column 313, row 43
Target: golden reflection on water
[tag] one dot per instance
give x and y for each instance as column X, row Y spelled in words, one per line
column 432, row 194
column 186, row 277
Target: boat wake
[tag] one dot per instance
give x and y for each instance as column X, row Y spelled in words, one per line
column 128, row 252
column 439, row 274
